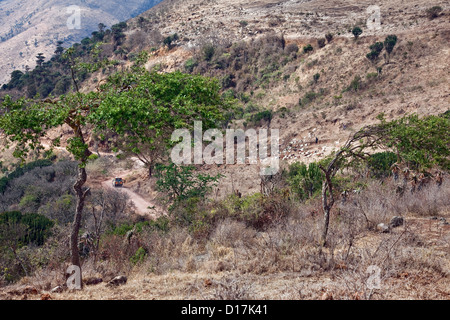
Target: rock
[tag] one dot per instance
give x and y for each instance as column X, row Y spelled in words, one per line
column 57, row 289
column 92, row 281
column 396, row 222
column 117, row 281
column 46, row 296
column 382, row 228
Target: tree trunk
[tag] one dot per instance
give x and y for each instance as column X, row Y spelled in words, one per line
column 150, row 171
column 327, row 204
column 81, row 196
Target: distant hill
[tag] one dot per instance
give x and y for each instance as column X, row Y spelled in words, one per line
column 28, row 27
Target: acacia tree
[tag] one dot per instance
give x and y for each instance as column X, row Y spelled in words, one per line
column 355, row 148
column 144, row 108
column 422, row 143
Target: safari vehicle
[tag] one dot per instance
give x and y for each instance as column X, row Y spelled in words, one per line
column 118, row 182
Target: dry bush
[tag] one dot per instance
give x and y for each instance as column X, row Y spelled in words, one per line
column 174, row 250
column 231, row 233
column 431, row 200
column 232, row 288
column 99, row 168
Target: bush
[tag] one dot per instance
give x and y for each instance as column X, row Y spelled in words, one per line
column 139, row 256
column 355, row 84
column 390, row 42
column 308, row 48
column 308, row 98
column 38, row 227
column 321, row 42
column 316, row 77
column 190, row 64
column 357, row 31
column 291, row 48
column 329, row 37
column 208, row 52
column 21, row 171
column 305, row 180
column 433, row 12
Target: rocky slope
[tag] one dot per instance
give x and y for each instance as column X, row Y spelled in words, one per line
column 29, row 27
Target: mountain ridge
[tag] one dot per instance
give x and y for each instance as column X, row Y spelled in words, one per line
column 29, row 27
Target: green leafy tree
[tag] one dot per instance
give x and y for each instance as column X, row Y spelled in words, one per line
column 357, row 31
column 389, row 44
column 144, row 108
column 40, row 59
column 180, row 183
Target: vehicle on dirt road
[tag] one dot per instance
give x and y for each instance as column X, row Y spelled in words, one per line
column 118, row 182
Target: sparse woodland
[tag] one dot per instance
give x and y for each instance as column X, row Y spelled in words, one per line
column 363, row 180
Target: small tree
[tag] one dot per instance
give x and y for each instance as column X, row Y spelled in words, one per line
column 422, row 143
column 308, row 48
column 389, row 44
column 180, row 183
column 316, row 77
column 376, row 49
column 329, row 37
column 357, row 31
column 40, row 59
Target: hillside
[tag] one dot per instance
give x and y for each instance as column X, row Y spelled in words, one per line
column 292, row 65
column 414, row 81
column 29, row 27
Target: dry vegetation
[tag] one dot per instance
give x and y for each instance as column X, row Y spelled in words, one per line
column 278, row 261
column 246, row 249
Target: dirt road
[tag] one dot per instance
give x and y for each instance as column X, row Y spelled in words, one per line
column 142, row 205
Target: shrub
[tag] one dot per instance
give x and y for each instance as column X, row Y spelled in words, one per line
column 329, row 37
column 265, row 115
column 390, row 42
column 308, row 98
column 291, row 48
column 179, row 182
column 357, row 31
column 305, row 180
column 355, row 84
column 208, row 52
column 308, row 48
column 433, row 12
column 321, row 42
column 316, row 77
column 21, row 171
column 190, row 64
column 38, row 227
column 139, row 256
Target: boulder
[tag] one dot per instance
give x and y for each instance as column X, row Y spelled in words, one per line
column 396, row 222
column 382, row 228
column 57, row 289
column 117, row 281
column 92, row 281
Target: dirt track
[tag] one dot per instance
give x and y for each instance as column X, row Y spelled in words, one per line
column 142, row 205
